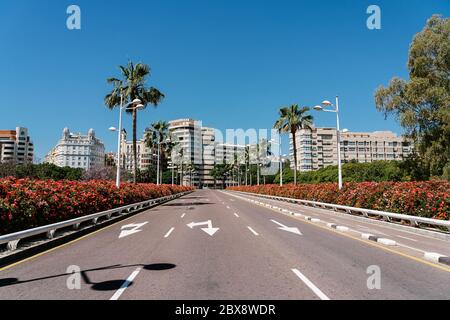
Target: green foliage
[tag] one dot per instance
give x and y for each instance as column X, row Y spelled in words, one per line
column 132, row 85
column 146, row 176
column 422, row 103
column 292, row 119
column 220, row 172
column 42, row 171
column 376, row 171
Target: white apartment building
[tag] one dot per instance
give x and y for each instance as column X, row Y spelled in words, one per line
column 189, row 151
column 208, row 156
column 76, row 150
column 16, row 146
column 317, row 148
column 201, row 151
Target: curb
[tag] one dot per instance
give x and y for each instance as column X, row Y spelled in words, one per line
column 371, row 237
column 436, row 257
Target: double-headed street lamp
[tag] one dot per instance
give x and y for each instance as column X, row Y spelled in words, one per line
column 135, row 104
column 335, row 109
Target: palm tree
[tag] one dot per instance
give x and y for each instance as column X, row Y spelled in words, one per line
column 292, row 119
column 157, row 136
column 132, row 86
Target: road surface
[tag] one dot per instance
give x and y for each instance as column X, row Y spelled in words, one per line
column 219, row 245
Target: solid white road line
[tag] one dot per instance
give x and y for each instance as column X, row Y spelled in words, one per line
column 168, row 233
column 407, row 238
column 253, row 231
column 311, row 285
column 126, row 284
column 183, row 215
column 237, row 216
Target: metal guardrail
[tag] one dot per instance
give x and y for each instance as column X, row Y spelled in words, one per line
column 387, row 216
column 13, row 239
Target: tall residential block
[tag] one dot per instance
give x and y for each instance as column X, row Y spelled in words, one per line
column 317, row 148
column 16, row 146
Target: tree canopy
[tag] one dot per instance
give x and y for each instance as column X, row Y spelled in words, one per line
column 422, row 103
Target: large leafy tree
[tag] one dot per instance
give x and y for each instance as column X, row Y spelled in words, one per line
column 291, row 119
column 422, row 103
column 132, row 85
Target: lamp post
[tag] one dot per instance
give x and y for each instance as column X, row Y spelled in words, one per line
column 327, row 103
column 136, row 104
column 281, row 158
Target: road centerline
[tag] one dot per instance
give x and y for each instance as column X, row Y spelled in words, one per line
column 169, row 232
column 253, row 231
column 310, row 285
column 126, row 284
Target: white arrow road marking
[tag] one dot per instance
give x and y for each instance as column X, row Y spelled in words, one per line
column 253, row 231
column 168, row 233
column 288, row 229
column 311, row 285
column 126, row 284
column 132, row 228
column 209, row 230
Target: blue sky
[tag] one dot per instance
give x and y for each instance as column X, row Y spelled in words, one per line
column 230, row 63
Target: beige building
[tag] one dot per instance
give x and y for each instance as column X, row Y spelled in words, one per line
column 145, row 156
column 16, row 146
column 317, row 148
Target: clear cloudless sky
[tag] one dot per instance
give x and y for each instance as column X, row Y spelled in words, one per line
column 229, row 63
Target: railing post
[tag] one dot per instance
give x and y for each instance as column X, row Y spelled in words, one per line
column 51, row 234
column 12, row 245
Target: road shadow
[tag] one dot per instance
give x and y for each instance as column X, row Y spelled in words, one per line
column 109, row 285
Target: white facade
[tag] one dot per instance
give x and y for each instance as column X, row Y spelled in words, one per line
column 201, row 151
column 16, row 146
column 77, row 151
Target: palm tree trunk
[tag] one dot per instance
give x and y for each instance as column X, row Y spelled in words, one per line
column 294, row 140
column 134, row 145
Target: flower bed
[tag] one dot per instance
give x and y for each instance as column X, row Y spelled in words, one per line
column 27, row 203
column 429, row 199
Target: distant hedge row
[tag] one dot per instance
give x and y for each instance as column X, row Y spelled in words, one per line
column 429, row 199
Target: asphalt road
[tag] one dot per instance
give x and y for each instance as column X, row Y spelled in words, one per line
column 257, row 253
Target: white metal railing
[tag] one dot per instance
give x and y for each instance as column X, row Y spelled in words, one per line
column 13, row 239
column 387, row 216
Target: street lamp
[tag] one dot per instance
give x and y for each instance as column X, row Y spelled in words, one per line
column 281, row 158
column 327, row 103
column 135, row 104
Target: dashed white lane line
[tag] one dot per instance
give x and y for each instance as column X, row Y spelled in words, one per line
column 237, row 216
column 169, row 232
column 183, row 215
column 311, row 285
column 126, row 284
column 253, row 231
